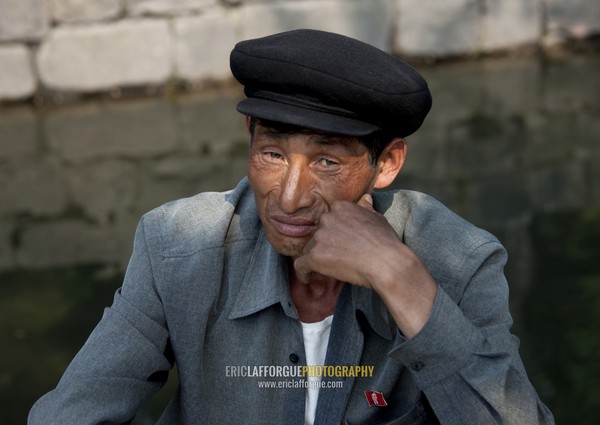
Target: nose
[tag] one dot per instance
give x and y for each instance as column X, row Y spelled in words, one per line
column 296, row 189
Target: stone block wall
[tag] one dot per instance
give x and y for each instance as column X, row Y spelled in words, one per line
column 83, row 46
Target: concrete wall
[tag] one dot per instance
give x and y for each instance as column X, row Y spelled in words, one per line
column 88, row 46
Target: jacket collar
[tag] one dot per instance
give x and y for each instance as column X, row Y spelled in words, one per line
column 266, row 282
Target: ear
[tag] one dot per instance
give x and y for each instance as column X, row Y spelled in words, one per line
column 390, row 162
column 247, row 123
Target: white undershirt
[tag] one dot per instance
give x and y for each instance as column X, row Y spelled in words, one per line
column 316, row 338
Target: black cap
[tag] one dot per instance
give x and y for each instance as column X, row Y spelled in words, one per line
column 329, row 82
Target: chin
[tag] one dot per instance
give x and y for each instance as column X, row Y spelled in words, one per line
column 288, row 247
column 289, row 250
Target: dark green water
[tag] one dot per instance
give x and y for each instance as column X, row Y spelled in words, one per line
column 512, row 145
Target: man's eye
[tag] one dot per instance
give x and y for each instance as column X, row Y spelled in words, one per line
column 327, row 162
column 273, row 155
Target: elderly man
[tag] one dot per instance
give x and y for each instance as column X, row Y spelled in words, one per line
column 303, row 296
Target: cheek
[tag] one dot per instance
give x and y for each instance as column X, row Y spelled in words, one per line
column 349, row 186
column 258, row 175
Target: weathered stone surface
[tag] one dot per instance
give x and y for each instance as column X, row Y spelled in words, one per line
column 454, row 88
column 136, row 128
column 426, row 152
column 563, row 88
column 239, row 2
column 104, row 190
column 510, row 23
column 66, row 242
column 558, row 186
column 85, row 10
column 370, row 21
column 6, row 251
column 560, row 160
column 497, row 199
column 16, row 75
column 211, row 125
column 593, row 185
column 161, row 7
column 195, row 174
column 573, row 18
column 203, row 45
column 437, row 28
column 31, row 186
column 23, row 19
column 18, row 132
column 134, row 52
column 499, row 140
column 511, row 87
column 590, row 134
column 99, row 57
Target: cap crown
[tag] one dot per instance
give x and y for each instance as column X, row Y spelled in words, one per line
column 329, row 82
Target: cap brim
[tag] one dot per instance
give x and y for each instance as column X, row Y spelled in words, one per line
column 305, row 118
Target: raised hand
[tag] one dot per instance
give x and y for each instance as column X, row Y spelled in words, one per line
column 356, row 244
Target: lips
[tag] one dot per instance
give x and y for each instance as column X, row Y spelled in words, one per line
column 295, row 227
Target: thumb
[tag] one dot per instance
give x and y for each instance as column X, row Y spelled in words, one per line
column 302, row 269
column 366, row 201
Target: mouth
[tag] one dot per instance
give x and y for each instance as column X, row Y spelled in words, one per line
column 294, row 227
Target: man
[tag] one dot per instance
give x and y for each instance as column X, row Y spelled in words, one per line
column 385, row 294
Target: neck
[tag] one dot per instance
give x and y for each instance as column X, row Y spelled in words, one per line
column 315, row 300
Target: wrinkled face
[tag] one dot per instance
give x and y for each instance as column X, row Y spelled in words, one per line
column 295, row 179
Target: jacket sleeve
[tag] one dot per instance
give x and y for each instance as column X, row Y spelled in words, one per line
column 122, row 363
column 465, row 359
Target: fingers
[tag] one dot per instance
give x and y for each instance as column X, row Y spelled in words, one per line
column 334, row 241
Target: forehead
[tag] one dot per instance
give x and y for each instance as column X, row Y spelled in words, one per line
column 308, row 136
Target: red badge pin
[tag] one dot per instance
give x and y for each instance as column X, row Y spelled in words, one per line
column 375, row 398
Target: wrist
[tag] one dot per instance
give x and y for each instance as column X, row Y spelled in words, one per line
column 408, row 291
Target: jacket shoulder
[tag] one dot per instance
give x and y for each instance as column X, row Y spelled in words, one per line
column 414, row 214
column 204, row 221
column 452, row 248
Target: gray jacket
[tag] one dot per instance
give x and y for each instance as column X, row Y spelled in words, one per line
column 205, row 291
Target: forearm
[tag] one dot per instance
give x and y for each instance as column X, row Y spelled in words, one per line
column 406, row 287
